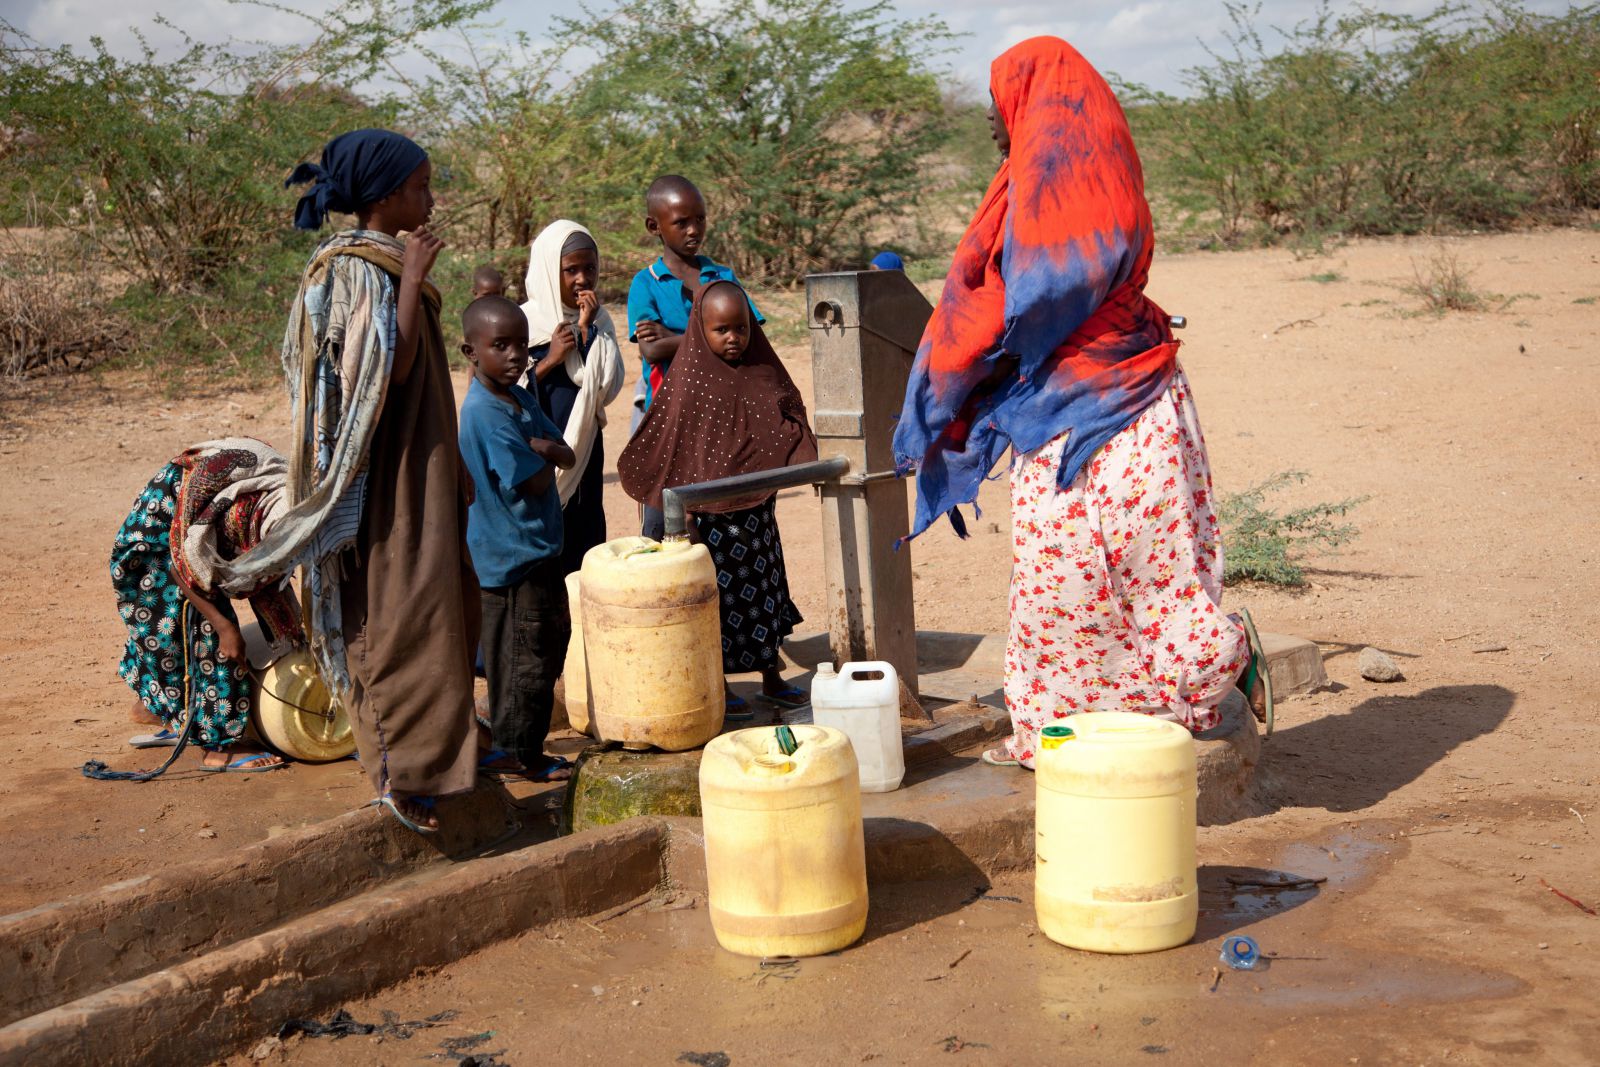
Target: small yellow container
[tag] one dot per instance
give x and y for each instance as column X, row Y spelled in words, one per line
column 296, row 715
column 652, row 639
column 786, row 862
column 1114, row 835
column 575, row 673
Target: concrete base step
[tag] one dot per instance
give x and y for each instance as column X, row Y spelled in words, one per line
column 74, row 947
column 196, row 1011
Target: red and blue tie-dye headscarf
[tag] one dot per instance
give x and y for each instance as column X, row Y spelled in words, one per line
column 1050, row 275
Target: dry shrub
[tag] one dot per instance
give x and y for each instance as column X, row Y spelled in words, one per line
column 54, row 313
column 1445, row 285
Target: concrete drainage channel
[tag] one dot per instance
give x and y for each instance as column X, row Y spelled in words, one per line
column 174, row 1005
column 189, row 963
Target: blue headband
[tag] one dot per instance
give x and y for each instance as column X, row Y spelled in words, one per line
column 888, row 261
column 358, row 168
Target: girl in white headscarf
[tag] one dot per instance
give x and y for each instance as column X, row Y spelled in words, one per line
column 575, row 368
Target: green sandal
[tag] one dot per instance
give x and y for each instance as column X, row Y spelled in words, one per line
column 1256, row 670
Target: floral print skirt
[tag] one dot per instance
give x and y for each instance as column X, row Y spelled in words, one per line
column 171, row 660
column 1116, row 581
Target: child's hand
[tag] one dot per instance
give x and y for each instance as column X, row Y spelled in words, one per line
column 588, row 307
column 422, row 248
column 230, row 644
column 556, row 453
column 562, row 341
column 650, row 331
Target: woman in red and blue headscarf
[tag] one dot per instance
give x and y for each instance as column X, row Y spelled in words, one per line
column 1045, row 343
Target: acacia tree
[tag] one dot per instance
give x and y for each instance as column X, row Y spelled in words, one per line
column 802, row 119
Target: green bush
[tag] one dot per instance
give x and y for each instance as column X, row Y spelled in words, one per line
column 1265, row 545
column 802, row 120
column 1377, row 123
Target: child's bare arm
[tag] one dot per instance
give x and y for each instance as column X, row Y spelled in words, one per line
column 558, row 453
column 657, row 344
column 230, row 640
column 540, row 483
column 422, row 248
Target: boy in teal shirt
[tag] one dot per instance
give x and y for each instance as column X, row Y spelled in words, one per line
column 661, row 295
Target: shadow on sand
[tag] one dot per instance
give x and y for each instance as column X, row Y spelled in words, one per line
column 1345, row 763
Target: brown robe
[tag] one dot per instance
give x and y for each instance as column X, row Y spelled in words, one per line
column 411, row 605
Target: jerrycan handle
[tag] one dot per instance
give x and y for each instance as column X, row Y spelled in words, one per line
column 867, row 671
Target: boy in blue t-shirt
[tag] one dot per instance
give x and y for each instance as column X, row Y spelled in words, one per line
column 511, row 449
column 661, row 295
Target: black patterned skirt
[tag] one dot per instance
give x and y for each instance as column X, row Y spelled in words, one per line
column 757, row 613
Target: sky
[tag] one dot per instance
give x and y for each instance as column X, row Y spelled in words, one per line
column 1147, row 41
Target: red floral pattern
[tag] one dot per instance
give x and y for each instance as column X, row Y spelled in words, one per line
column 1116, row 581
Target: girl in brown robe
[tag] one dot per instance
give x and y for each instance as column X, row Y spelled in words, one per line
column 729, row 407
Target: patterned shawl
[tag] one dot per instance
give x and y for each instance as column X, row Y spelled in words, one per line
column 234, row 490
column 1050, row 272
column 598, row 375
column 337, row 353
column 714, row 419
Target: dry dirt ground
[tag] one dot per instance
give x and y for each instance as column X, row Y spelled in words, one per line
column 1445, row 802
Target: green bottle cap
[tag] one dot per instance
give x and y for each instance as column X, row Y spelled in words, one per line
column 786, row 742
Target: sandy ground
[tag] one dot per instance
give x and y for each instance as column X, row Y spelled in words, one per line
column 1473, row 436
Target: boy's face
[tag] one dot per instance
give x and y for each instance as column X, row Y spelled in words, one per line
column 497, row 345
column 726, row 317
column 579, row 272
column 495, row 286
column 410, row 206
column 680, row 221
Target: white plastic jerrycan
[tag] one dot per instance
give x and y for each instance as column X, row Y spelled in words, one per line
column 863, row 701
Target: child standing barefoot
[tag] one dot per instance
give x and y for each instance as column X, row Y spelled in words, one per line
column 379, row 497
column 729, row 408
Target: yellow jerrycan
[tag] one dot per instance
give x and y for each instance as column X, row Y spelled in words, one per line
column 297, row 716
column 1114, row 835
column 575, row 673
column 786, row 861
column 652, row 642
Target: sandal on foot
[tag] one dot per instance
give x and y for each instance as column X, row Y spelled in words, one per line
column 999, row 757
column 241, row 765
column 425, row 803
column 1256, row 670
column 498, row 764
column 737, row 709
column 162, row 738
column 551, row 772
column 791, row 698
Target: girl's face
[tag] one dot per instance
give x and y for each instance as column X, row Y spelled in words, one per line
column 579, row 272
column 997, row 127
column 410, row 206
column 727, row 325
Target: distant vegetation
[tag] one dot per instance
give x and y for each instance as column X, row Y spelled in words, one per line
column 1373, row 123
column 820, row 131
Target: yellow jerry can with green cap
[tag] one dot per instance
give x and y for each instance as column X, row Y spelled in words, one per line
column 1114, row 835
column 652, row 643
column 786, row 861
